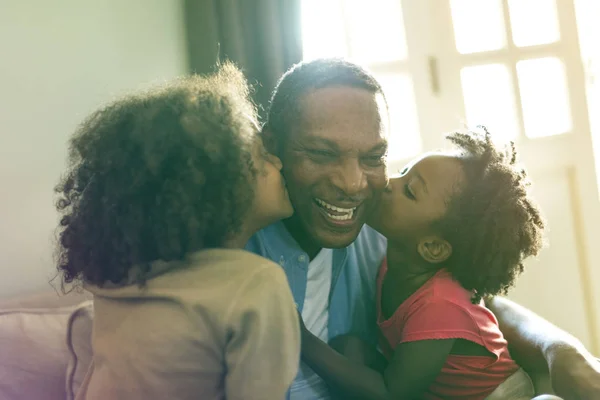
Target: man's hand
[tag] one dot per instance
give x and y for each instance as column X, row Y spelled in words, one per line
column 575, row 374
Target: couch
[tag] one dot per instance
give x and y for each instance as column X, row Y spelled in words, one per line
column 45, row 346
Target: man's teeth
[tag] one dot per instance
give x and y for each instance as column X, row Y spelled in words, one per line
column 340, row 217
column 334, row 208
column 348, row 212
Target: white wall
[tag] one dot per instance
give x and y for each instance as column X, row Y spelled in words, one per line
column 59, row 60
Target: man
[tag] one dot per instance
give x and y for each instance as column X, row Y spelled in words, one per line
column 327, row 123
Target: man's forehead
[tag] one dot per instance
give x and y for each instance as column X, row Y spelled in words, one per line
column 343, row 140
column 337, row 99
column 384, row 115
column 341, row 112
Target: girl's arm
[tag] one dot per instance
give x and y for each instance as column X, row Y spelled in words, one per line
column 411, row 371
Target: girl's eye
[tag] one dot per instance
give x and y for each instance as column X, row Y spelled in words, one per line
column 408, row 192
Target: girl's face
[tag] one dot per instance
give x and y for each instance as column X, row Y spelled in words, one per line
column 417, row 198
column 271, row 201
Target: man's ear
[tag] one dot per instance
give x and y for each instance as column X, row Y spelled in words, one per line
column 269, row 140
column 434, row 249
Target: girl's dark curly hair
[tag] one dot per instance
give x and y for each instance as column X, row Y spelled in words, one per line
column 492, row 222
column 155, row 176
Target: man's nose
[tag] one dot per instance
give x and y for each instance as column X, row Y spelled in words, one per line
column 350, row 178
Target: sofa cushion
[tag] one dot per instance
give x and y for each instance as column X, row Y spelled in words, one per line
column 50, row 298
column 79, row 344
column 33, row 353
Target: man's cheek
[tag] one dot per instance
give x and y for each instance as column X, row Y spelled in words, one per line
column 299, row 182
column 308, row 173
column 378, row 180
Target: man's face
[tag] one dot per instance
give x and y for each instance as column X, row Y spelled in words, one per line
column 334, row 165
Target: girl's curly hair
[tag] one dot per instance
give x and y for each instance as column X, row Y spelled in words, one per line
column 492, row 222
column 155, row 176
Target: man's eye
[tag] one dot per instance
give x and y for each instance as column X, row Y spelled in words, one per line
column 321, row 154
column 376, row 160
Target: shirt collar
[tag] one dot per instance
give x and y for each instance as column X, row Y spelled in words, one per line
column 280, row 243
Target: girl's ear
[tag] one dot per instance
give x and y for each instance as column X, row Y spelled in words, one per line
column 434, row 249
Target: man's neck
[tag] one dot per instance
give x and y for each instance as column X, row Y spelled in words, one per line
column 303, row 238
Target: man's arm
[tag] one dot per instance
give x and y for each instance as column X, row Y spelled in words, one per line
column 539, row 346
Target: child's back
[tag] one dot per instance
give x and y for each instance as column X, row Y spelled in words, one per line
column 161, row 187
column 216, row 326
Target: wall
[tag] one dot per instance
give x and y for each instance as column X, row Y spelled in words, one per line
column 588, row 12
column 59, row 61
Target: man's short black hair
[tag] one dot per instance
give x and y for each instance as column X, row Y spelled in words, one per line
column 310, row 75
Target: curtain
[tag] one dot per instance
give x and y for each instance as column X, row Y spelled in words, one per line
column 263, row 37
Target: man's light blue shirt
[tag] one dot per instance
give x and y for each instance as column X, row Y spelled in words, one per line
column 353, row 284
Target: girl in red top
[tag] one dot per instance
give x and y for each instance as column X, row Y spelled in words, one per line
column 459, row 226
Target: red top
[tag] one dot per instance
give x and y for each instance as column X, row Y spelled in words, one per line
column 442, row 309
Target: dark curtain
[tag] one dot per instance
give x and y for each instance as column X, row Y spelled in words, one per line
column 263, row 37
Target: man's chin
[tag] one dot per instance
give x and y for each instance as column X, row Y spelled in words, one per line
column 337, row 240
column 316, row 233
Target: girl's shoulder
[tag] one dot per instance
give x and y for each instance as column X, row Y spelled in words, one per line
column 443, row 286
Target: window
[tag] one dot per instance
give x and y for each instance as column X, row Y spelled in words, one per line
column 512, row 75
column 372, row 34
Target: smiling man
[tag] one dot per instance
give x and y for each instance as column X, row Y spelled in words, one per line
column 335, row 163
column 327, row 123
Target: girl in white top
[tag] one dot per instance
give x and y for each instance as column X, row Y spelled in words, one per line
column 163, row 190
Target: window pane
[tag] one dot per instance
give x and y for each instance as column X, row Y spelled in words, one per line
column 544, row 96
column 478, row 25
column 376, row 30
column 489, row 99
column 323, row 31
column 533, row 22
column 405, row 139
